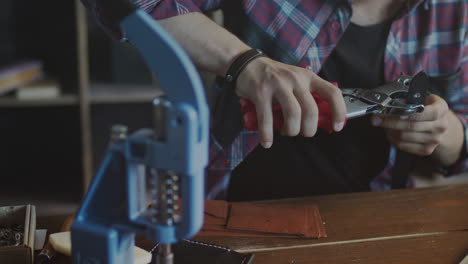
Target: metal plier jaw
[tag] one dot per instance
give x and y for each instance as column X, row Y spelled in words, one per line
column 390, row 99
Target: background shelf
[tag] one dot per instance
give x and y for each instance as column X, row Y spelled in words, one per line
column 55, row 146
column 105, row 93
column 63, row 100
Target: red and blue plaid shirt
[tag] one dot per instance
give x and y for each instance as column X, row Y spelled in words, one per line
column 429, row 35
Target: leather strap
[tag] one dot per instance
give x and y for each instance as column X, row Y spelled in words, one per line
column 239, row 64
column 404, row 160
column 401, row 169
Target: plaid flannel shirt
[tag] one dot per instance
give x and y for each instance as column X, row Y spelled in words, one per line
column 429, row 35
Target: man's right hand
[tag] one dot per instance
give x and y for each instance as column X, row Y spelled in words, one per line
column 265, row 82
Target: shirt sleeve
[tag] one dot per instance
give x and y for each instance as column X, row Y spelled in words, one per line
column 170, row 8
column 457, row 99
column 158, row 9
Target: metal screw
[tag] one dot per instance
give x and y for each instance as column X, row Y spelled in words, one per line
column 417, row 95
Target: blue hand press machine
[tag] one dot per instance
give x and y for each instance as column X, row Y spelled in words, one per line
column 166, row 164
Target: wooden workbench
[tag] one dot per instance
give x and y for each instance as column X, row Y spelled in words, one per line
column 428, row 225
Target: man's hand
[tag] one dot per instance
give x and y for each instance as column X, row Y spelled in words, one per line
column 436, row 131
column 265, row 82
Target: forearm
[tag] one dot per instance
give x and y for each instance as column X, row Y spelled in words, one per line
column 449, row 150
column 211, row 47
column 262, row 81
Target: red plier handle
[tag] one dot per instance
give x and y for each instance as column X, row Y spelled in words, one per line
column 250, row 115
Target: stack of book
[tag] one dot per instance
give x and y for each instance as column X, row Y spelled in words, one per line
column 27, row 78
column 42, row 89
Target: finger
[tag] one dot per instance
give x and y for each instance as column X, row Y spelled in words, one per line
column 415, row 137
column 416, row 148
column 265, row 122
column 399, row 124
column 421, row 149
column 309, row 112
column 393, row 136
column 435, row 108
column 334, row 97
column 291, row 112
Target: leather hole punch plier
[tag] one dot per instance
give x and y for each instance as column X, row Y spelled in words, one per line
column 404, row 96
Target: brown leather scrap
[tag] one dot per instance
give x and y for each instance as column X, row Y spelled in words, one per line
column 262, row 220
column 315, row 226
column 211, row 220
column 216, row 208
column 268, row 218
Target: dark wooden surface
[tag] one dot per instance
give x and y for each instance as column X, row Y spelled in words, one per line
column 443, row 248
column 428, row 225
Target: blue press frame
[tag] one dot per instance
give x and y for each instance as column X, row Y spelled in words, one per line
column 105, row 225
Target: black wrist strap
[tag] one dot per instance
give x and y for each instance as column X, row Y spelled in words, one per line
column 240, row 63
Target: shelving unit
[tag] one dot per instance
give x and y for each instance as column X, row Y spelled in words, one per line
column 64, row 100
column 123, row 93
column 53, row 147
column 40, row 146
column 83, row 83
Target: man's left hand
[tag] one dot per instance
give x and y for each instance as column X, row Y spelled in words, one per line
column 424, row 133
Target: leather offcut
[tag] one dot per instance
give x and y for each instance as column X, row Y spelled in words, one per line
column 262, row 220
